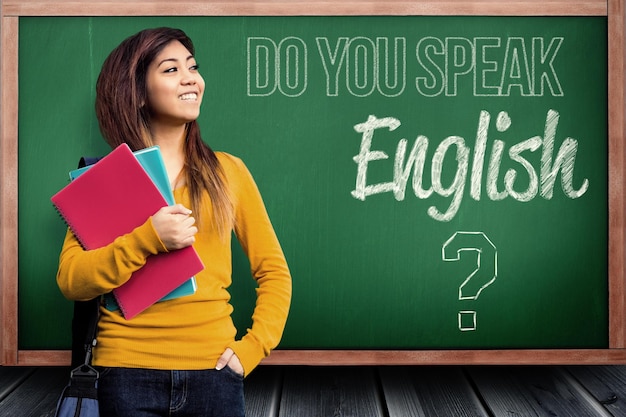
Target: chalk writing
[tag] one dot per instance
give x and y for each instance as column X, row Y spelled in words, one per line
column 495, row 69
column 485, row 273
column 362, row 66
column 281, row 66
column 540, row 181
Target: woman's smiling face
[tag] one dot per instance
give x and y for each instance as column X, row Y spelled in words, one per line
column 174, row 86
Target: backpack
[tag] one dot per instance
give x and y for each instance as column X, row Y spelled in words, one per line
column 85, row 312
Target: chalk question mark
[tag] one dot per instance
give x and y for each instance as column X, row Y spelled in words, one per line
column 483, row 276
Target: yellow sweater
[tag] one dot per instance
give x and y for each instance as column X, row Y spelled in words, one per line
column 189, row 332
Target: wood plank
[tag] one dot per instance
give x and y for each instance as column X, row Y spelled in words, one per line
column 38, row 395
column 8, row 198
column 363, row 391
column 263, row 388
column 617, row 174
column 44, row 357
column 607, row 384
column 303, row 7
column 400, row 393
column 531, row 391
column 429, row 391
column 448, row 357
column 11, row 378
column 331, row 391
column 392, row 357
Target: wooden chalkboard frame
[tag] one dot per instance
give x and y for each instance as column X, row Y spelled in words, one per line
column 11, row 10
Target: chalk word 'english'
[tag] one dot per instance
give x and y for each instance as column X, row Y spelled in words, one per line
column 540, row 181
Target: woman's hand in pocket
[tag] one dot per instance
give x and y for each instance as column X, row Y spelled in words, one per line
column 231, row 360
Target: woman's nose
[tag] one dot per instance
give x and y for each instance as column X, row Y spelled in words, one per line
column 189, row 80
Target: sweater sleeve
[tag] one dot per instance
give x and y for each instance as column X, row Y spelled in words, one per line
column 269, row 268
column 86, row 274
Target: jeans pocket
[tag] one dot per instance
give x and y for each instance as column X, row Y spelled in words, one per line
column 232, row 372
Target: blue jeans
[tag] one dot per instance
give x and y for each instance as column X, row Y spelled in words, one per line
column 124, row 392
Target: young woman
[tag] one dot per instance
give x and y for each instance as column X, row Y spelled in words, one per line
column 178, row 357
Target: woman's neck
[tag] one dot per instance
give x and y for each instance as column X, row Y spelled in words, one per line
column 172, row 145
column 170, row 138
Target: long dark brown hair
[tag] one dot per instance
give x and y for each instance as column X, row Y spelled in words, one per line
column 123, row 116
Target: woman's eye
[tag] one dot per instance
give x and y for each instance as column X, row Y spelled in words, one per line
column 173, row 69
column 194, row 67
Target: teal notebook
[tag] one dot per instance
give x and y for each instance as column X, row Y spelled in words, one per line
column 151, row 161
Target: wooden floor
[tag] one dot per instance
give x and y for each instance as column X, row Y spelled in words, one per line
column 425, row 391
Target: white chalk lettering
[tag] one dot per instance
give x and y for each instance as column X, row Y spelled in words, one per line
column 564, row 162
column 416, row 161
column 365, row 156
column 272, row 66
column 363, row 66
column 332, row 61
column 391, row 73
column 369, row 66
column 543, row 68
column 261, row 66
column 427, row 50
column 458, row 185
column 539, row 181
column 496, row 66
column 516, row 72
column 486, row 64
column 459, row 61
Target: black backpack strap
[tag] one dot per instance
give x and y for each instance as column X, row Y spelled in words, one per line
column 84, row 325
column 86, row 313
column 88, row 160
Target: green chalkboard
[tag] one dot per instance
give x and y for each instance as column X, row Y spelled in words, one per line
column 436, row 182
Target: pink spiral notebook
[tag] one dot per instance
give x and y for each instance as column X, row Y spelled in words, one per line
column 112, row 198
